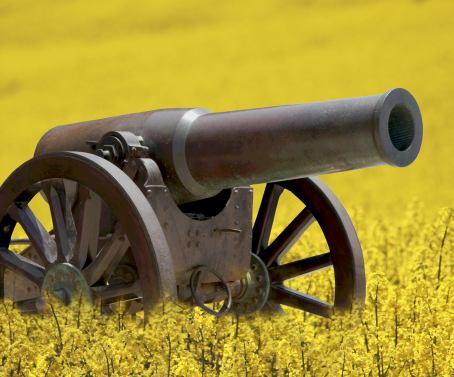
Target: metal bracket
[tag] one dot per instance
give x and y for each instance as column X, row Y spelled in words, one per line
column 194, row 242
column 120, row 147
column 148, row 174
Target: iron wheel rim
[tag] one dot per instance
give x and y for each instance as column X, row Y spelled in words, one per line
column 118, row 191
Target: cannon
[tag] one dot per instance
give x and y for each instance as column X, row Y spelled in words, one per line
column 159, row 204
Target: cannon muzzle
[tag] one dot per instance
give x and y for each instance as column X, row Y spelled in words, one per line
column 200, row 153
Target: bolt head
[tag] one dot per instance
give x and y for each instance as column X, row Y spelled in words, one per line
column 104, row 154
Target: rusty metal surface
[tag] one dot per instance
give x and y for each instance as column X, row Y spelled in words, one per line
column 66, row 282
column 203, row 153
column 215, row 232
column 344, row 254
column 222, row 242
column 157, row 128
column 71, row 238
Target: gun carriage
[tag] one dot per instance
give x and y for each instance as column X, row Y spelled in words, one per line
column 159, row 204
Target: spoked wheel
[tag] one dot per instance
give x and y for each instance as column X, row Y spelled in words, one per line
column 344, row 254
column 106, row 241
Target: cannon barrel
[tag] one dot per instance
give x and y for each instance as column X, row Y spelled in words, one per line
column 200, row 153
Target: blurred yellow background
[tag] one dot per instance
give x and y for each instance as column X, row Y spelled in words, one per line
column 69, row 61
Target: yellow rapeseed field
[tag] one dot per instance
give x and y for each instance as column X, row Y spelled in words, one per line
column 67, row 61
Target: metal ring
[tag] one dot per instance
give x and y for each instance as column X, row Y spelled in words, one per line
column 194, row 284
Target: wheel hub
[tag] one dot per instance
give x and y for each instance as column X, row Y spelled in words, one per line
column 256, row 288
column 66, row 282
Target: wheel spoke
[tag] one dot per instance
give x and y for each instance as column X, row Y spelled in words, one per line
column 22, row 265
column 289, row 236
column 20, row 241
column 40, row 238
column 111, row 253
column 62, row 219
column 30, row 253
column 88, row 215
column 110, row 269
column 119, row 290
column 264, row 221
column 291, row 270
column 289, row 297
